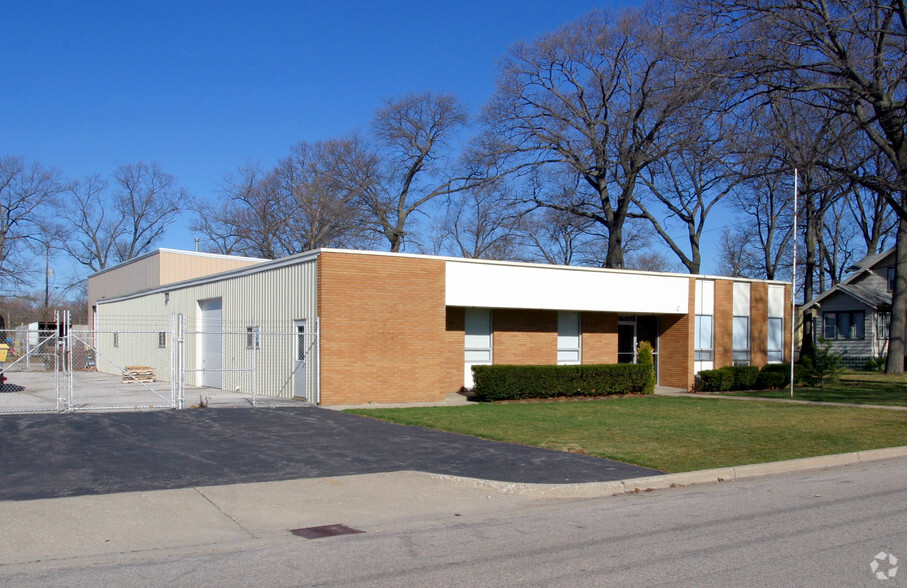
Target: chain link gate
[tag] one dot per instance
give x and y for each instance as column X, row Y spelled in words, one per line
column 131, row 363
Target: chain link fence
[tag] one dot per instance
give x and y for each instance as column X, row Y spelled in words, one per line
column 164, row 362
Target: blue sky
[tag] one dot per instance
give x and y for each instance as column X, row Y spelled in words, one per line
column 205, row 87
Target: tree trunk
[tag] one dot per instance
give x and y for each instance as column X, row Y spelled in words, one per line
column 895, row 364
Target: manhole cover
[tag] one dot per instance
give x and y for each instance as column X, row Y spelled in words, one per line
column 324, row 531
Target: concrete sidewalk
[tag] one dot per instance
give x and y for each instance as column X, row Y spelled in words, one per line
column 64, row 532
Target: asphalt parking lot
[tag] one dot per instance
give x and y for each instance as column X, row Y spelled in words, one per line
column 56, row 455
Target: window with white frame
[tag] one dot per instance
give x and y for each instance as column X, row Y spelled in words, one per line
column 775, row 347
column 704, row 348
column 253, row 338
column 478, row 340
column 741, row 333
column 569, row 336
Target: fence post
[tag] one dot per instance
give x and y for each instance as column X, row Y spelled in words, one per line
column 179, row 362
column 256, row 342
column 67, row 356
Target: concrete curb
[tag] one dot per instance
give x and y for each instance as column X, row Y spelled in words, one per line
column 646, row 484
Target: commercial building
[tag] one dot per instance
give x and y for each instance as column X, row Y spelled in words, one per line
column 392, row 328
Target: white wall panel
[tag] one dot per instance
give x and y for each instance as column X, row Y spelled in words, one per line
column 559, row 288
column 705, row 297
column 775, row 300
column 741, row 299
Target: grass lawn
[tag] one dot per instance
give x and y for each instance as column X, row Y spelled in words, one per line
column 670, row 434
column 854, row 388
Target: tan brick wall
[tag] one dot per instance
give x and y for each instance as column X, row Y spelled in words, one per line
column 787, row 322
column 758, row 323
column 599, row 337
column 724, row 323
column 384, row 331
column 524, row 336
column 675, row 365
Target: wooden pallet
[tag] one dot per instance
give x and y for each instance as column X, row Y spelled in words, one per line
column 138, row 374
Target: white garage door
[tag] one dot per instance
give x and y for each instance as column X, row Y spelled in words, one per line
column 211, row 342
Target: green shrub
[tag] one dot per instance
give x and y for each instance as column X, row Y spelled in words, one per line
column 514, row 382
column 745, row 377
column 773, row 375
column 645, row 356
column 876, row 364
column 718, row 380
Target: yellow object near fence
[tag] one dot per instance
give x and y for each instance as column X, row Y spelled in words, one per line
column 4, row 349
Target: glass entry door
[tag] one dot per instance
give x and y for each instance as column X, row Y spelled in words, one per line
column 633, row 329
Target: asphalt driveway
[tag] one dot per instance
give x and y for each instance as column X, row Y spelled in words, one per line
column 54, row 455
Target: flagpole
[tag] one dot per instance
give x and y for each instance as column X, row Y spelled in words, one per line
column 793, row 289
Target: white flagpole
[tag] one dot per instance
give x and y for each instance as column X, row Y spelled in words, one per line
column 793, row 290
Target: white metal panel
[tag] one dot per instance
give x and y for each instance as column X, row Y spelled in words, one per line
column 775, row 300
column 705, row 297
column 741, row 299
column 568, row 337
column 562, row 288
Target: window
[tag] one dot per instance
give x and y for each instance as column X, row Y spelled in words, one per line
column 300, row 341
column 162, row 339
column 253, row 338
column 741, row 340
column 568, row 338
column 741, row 325
column 116, row 339
column 775, row 349
column 891, row 279
column 704, row 348
column 844, row 325
column 775, row 344
column 883, row 327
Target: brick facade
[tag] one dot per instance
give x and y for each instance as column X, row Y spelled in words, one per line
column 384, row 334
column 724, row 323
column 599, row 337
column 758, row 324
column 524, row 336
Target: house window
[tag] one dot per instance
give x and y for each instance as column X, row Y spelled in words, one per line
column 253, row 338
column 844, row 325
column 891, row 279
column 568, row 338
column 116, row 339
column 162, row 339
column 883, row 327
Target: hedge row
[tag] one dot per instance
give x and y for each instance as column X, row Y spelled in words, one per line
column 773, row 375
column 514, row 382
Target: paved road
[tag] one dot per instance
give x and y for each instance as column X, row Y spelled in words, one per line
column 44, row 456
column 820, row 528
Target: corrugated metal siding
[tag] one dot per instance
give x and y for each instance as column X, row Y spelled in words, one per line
column 176, row 267
column 270, row 299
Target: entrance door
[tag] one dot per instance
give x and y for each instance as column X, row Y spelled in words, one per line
column 299, row 360
column 631, row 330
column 211, row 342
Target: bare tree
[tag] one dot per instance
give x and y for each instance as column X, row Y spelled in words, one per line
column 28, row 191
column 480, row 223
column 149, row 200
column 592, row 100
column 114, row 225
column 413, row 161
column 851, row 53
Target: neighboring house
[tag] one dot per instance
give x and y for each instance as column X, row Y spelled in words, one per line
column 397, row 328
column 854, row 315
